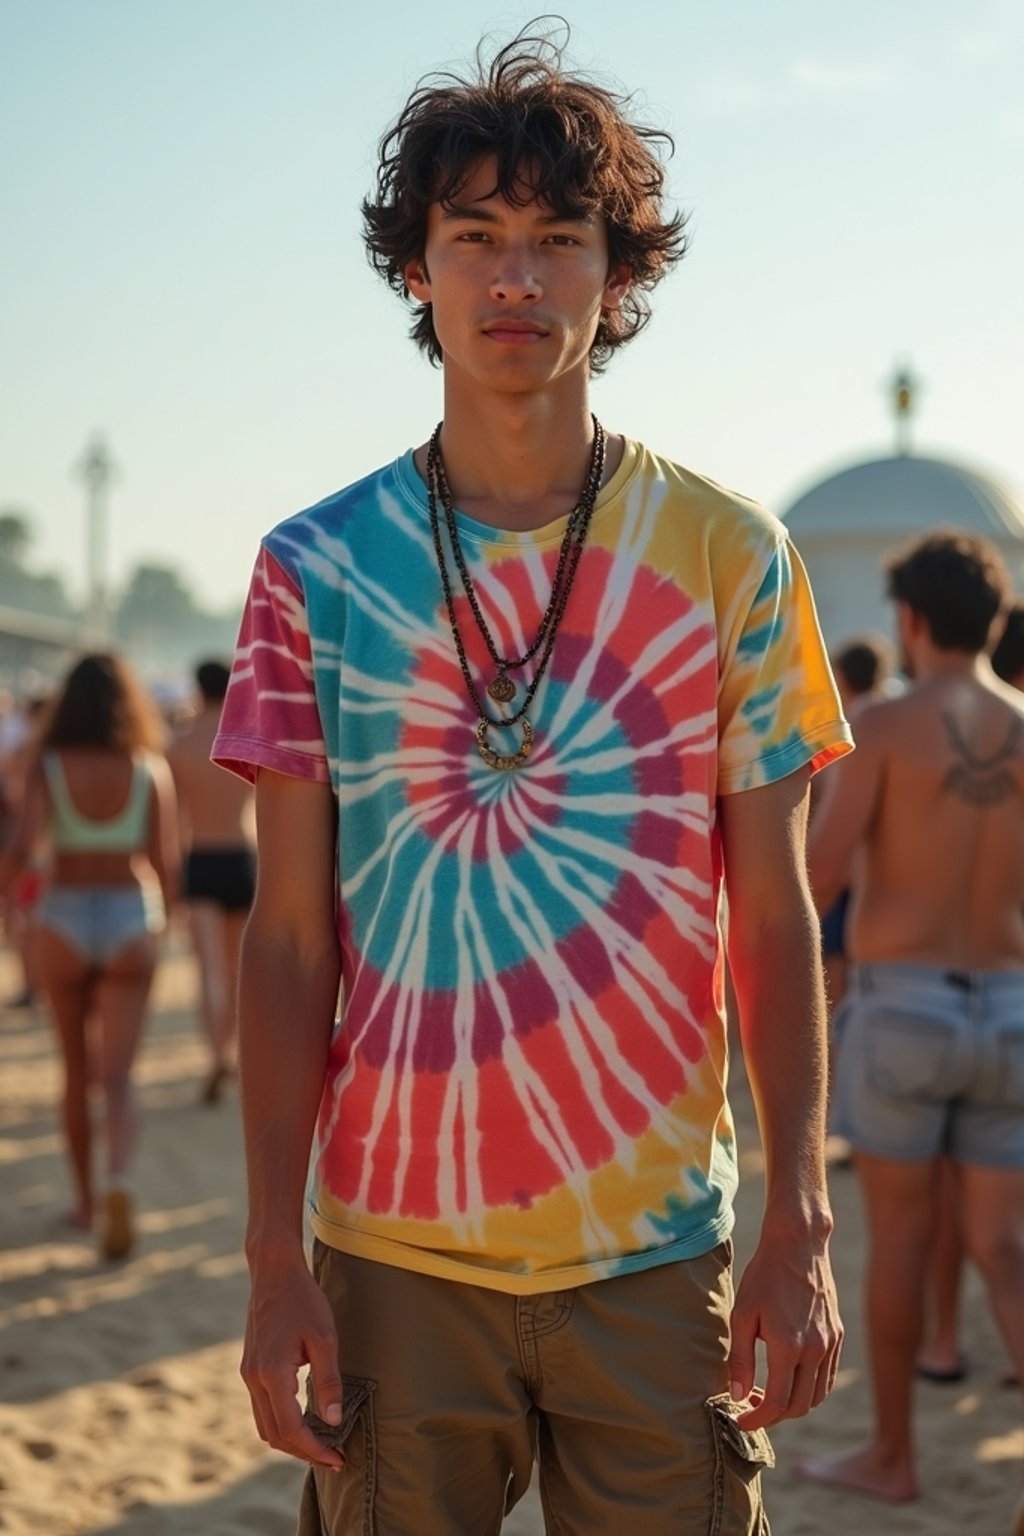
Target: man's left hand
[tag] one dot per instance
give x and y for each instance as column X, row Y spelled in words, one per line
column 787, row 1299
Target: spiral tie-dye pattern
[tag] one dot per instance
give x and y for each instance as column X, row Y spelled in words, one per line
column 527, row 1085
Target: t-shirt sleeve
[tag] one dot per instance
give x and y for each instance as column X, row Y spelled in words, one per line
column 778, row 708
column 270, row 717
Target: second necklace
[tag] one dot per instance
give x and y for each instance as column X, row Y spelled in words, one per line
column 502, row 688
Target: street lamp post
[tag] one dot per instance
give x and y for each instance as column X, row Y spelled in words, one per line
column 96, row 470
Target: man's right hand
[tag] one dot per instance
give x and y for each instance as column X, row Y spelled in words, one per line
column 290, row 1325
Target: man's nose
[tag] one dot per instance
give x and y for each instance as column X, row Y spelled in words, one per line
column 515, row 280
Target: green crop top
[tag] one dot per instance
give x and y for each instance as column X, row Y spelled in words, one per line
column 74, row 833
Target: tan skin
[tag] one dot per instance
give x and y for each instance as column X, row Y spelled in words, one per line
column 99, row 783
column 517, row 416
column 941, row 883
column 215, row 813
column 836, row 964
column 516, row 442
column 786, row 1296
column 291, row 968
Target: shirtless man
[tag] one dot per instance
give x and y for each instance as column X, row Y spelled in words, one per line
column 941, row 1359
column 931, row 1036
column 219, row 872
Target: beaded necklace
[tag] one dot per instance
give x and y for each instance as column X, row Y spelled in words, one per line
column 502, row 688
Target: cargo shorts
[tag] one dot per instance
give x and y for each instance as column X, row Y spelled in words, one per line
column 616, row 1391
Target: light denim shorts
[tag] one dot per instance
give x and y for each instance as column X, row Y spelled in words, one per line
column 930, row 1062
column 98, row 921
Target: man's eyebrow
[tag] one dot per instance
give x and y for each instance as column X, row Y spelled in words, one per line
column 468, row 211
column 586, row 219
column 483, row 215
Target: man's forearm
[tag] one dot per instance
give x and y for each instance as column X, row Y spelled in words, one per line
column 779, row 990
column 786, row 1296
column 287, row 1001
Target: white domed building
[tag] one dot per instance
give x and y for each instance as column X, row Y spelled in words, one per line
column 847, row 525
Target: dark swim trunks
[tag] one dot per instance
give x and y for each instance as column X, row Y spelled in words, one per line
column 833, row 926
column 226, row 876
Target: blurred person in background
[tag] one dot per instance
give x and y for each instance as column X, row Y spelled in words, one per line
column 941, row 1359
column 862, row 667
column 14, row 733
column 930, row 1059
column 29, row 886
column 1008, row 653
column 104, row 796
column 216, row 819
column 14, row 725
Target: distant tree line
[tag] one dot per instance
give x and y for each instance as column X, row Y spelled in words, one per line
column 157, row 618
column 20, row 587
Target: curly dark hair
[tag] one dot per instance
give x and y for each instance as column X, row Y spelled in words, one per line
column 557, row 138
column 863, row 663
column 102, row 704
column 957, row 581
column 212, row 678
column 1008, row 653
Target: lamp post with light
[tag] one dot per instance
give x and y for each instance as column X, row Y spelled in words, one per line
column 96, row 470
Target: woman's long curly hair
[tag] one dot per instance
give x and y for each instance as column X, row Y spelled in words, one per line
column 102, row 704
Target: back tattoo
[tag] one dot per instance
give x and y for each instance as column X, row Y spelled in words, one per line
column 982, row 781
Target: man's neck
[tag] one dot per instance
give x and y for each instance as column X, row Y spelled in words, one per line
column 932, row 665
column 517, row 462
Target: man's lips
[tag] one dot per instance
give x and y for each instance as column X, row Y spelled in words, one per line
column 517, row 332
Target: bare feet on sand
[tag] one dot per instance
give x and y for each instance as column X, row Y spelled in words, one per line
column 943, row 1365
column 118, row 1234
column 860, row 1472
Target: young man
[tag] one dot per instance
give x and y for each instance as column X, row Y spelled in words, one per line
column 220, row 869
column 516, row 701
column 931, row 1035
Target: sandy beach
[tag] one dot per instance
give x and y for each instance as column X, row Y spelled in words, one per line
column 121, row 1410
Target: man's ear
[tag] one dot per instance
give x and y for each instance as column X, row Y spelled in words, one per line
column 620, row 280
column 911, row 622
column 417, row 279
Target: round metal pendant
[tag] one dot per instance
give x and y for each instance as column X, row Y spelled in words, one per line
column 502, row 689
column 503, row 761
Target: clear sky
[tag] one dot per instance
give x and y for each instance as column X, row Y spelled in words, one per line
column 181, row 268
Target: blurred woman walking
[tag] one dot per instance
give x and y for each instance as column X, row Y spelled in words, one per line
column 101, row 789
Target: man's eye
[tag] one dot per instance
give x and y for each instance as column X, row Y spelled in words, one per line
column 473, row 236
column 563, row 240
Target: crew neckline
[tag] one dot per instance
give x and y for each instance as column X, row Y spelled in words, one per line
column 415, row 492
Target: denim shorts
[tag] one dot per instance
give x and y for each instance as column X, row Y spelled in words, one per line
column 98, row 921
column 930, row 1062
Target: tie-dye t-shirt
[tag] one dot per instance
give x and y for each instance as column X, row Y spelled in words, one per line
column 526, row 1086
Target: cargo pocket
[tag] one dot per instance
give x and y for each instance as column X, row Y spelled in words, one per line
column 344, row 1500
column 910, row 1055
column 741, row 1455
